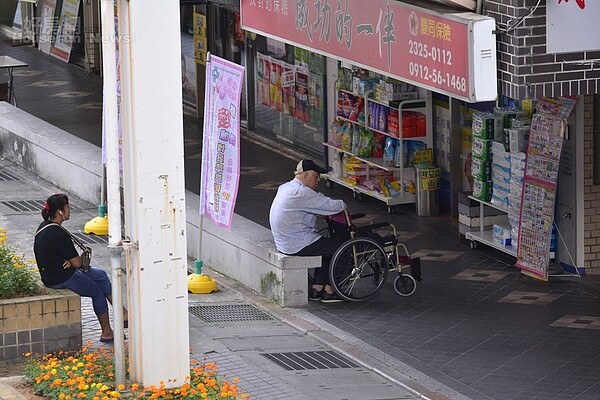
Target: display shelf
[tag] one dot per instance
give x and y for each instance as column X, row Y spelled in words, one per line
column 390, row 201
column 494, row 205
column 350, row 92
column 486, row 238
column 415, row 105
column 376, row 162
column 404, row 175
column 359, row 123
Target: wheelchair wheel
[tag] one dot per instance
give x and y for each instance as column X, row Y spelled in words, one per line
column 358, row 269
column 405, row 285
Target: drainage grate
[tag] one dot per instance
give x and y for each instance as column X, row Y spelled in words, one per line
column 7, row 176
column 229, row 313
column 303, row 360
column 91, row 239
column 24, row 205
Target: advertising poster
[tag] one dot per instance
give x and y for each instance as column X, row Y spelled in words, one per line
column 188, row 82
column 301, row 111
column 276, row 91
column 65, row 33
column 200, row 43
column 288, row 79
column 539, row 185
column 263, row 80
column 46, row 35
column 315, row 98
column 220, row 172
column 301, row 57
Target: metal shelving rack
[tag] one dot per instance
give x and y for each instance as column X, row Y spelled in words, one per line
column 402, row 173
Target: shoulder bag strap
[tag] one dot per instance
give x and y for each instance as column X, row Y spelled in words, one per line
column 73, row 237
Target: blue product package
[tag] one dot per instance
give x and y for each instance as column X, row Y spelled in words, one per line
column 389, row 152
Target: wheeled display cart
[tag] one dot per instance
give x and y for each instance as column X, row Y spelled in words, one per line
column 485, row 236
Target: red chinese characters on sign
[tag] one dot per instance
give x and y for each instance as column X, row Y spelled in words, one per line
column 416, row 45
column 580, row 3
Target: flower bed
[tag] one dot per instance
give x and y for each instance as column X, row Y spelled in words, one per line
column 33, row 318
column 90, row 374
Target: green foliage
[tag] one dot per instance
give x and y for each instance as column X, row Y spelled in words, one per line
column 18, row 277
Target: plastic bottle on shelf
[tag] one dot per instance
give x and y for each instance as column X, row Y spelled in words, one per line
column 337, row 167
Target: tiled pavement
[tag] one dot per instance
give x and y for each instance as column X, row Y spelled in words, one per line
column 475, row 324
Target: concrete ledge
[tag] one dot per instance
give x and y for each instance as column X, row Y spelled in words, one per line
column 248, row 245
column 51, row 153
column 246, row 253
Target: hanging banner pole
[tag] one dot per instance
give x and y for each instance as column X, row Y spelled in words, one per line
column 220, row 170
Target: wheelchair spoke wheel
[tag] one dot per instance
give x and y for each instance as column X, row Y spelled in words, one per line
column 358, row 269
column 405, row 285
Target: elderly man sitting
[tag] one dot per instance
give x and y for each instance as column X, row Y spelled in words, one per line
column 293, row 219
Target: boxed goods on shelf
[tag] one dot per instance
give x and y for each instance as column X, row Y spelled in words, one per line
column 421, row 125
column 481, row 148
column 482, row 190
column 361, row 85
column 517, row 138
column 501, row 234
column 393, row 123
column 480, row 169
column 502, row 120
column 378, row 116
column 483, row 125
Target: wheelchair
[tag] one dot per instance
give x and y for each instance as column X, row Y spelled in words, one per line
column 360, row 266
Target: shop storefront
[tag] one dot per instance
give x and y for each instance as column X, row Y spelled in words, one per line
column 67, row 29
column 430, row 47
column 389, row 59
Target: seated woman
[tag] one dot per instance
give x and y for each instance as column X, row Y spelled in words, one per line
column 58, row 262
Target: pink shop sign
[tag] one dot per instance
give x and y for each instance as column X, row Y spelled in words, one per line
column 417, row 45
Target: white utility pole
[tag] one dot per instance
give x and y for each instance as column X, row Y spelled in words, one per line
column 111, row 132
column 154, row 191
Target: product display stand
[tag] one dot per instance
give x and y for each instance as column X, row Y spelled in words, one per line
column 485, row 236
column 372, row 164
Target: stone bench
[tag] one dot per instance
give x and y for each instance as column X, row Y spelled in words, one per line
column 247, row 254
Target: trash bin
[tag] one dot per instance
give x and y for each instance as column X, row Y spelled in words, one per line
column 428, row 185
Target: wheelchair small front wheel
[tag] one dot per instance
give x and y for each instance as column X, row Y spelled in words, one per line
column 405, row 285
column 358, row 269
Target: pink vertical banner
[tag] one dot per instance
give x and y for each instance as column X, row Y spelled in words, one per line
column 220, row 172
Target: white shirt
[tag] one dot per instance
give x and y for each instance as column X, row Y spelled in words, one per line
column 293, row 215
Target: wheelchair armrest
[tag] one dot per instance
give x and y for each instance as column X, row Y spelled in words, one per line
column 371, row 227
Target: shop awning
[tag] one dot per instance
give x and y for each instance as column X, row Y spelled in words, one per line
column 437, row 48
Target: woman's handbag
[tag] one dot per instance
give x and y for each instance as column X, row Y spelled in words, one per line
column 86, row 252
